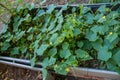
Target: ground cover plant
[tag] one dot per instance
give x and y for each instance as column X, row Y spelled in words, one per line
column 61, row 39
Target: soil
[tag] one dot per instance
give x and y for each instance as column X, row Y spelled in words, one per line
column 14, row 73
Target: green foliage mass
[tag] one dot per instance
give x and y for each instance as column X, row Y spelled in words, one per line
column 60, row 40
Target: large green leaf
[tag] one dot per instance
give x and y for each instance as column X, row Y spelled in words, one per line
column 42, row 48
column 19, row 34
column 104, row 54
column 52, row 52
column 100, row 29
column 5, row 46
column 45, row 62
column 77, row 31
column 91, row 36
column 54, row 37
column 30, row 37
column 50, row 8
column 40, row 13
column 65, row 45
column 52, row 24
column 112, row 37
column 90, row 18
column 60, row 69
column 23, row 49
column 44, row 73
column 80, row 44
column 116, row 57
column 98, row 16
column 102, row 9
column 15, row 51
column 97, row 44
column 72, row 61
column 65, row 53
column 52, row 61
column 82, row 54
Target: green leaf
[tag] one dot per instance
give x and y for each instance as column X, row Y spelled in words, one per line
column 85, row 10
column 54, row 37
column 111, row 65
column 90, row 18
column 72, row 61
column 65, row 53
column 52, row 61
column 30, row 29
column 113, row 22
column 40, row 13
column 50, row 8
column 112, row 37
column 15, row 51
column 9, row 39
column 104, row 54
column 44, row 73
column 61, row 69
column 100, row 29
column 109, row 44
column 113, row 15
column 65, row 45
column 19, row 34
column 60, row 19
column 5, row 46
column 47, row 20
column 45, row 62
column 52, row 24
column 42, row 48
column 102, row 9
column 30, row 37
column 82, row 54
column 91, row 36
column 97, row 44
column 98, row 16
column 16, row 23
column 32, row 6
column 52, row 52
column 23, row 49
column 80, row 44
column 32, row 61
column 76, row 32
column 116, row 57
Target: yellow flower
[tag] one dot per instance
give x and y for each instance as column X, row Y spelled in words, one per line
column 56, row 66
column 51, row 43
column 115, row 45
column 30, row 49
column 67, row 69
column 1, row 44
column 62, row 61
column 104, row 17
column 111, row 33
column 81, row 29
column 84, row 23
column 36, row 33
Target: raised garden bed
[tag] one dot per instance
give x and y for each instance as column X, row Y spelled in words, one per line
column 43, row 36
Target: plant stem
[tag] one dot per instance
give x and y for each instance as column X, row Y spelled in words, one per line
column 2, row 5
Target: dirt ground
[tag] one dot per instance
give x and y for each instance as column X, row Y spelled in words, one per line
column 14, row 73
